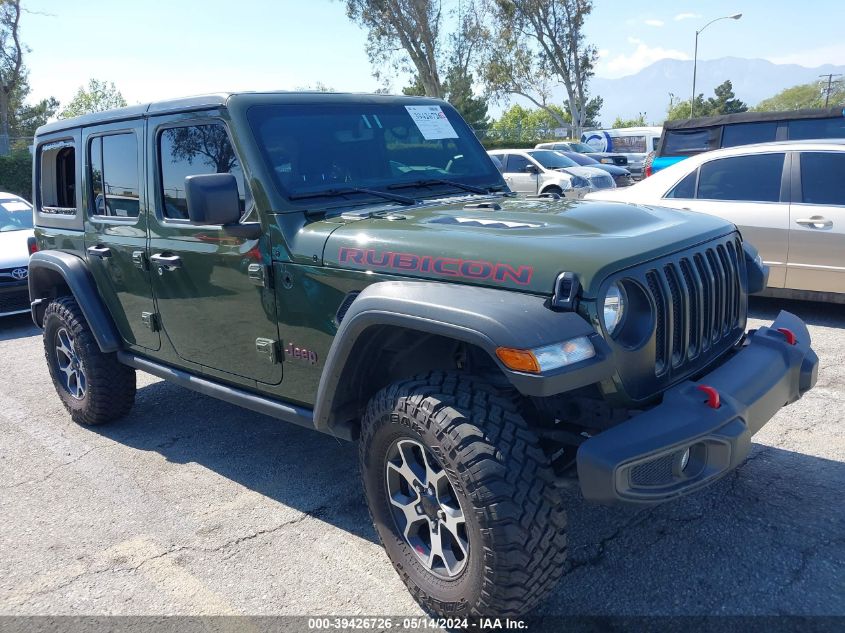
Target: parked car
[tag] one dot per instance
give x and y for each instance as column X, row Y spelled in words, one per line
column 687, row 137
column 605, row 158
column 15, row 234
column 621, row 176
column 539, row 171
column 788, row 199
column 632, row 142
column 482, row 349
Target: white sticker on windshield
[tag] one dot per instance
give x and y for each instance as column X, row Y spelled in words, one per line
column 431, row 122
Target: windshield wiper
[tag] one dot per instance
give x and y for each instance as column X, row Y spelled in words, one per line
column 439, row 181
column 342, row 191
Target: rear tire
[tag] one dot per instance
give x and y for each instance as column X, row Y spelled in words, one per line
column 497, row 479
column 94, row 387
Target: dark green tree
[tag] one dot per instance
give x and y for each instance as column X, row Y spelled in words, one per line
column 725, row 101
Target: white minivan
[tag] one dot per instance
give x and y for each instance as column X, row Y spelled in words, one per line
column 632, row 142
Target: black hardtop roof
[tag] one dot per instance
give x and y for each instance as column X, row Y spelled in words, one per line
column 752, row 117
column 202, row 102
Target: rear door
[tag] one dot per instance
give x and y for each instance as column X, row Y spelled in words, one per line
column 817, row 223
column 216, row 310
column 517, row 178
column 116, row 218
column 752, row 192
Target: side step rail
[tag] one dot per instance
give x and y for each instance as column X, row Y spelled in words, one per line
column 253, row 402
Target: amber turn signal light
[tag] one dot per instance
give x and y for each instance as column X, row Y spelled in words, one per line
column 518, row 359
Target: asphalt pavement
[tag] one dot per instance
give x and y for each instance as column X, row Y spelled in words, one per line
column 193, row 506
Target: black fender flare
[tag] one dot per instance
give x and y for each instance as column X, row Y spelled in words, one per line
column 485, row 317
column 43, row 267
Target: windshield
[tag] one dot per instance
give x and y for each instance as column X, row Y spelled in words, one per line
column 583, row 148
column 581, row 159
column 15, row 215
column 327, row 147
column 551, row 159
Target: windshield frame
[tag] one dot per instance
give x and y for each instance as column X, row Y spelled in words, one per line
column 484, row 173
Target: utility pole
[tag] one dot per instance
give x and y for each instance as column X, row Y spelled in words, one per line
column 829, row 87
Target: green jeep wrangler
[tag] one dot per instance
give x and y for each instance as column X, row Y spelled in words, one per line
column 356, row 264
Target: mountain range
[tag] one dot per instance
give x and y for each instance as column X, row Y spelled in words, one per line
column 648, row 90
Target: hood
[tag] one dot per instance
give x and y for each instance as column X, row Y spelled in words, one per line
column 13, row 249
column 523, row 246
column 584, row 171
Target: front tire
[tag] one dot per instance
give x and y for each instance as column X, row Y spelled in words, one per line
column 451, row 458
column 94, row 387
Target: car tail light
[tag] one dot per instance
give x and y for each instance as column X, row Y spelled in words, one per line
column 32, row 245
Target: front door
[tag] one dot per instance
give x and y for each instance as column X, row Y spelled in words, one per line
column 748, row 191
column 817, row 223
column 116, row 228
column 517, row 177
column 216, row 310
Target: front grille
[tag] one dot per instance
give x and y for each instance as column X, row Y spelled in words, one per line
column 620, row 161
column 14, row 301
column 699, row 301
column 656, row 472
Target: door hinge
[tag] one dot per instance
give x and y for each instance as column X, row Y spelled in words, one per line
column 150, row 319
column 139, row 259
column 268, row 348
column 259, row 275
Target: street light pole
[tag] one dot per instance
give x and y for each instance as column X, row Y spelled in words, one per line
column 735, row 16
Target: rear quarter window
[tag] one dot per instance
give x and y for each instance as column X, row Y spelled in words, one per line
column 689, row 142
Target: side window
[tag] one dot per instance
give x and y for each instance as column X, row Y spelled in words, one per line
column 58, row 178
column 820, row 183
column 192, row 150
column 754, row 178
column 517, row 163
column 113, row 174
column 684, row 189
column 805, row 129
column 747, row 133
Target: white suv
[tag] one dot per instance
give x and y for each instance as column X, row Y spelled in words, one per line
column 787, row 198
column 536, row 171
column 15, row 231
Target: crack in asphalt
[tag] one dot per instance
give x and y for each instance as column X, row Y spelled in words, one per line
column 52, row 472
column 316, row 513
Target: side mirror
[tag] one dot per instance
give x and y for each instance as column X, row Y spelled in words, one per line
column 532, row 169
column 213, row 199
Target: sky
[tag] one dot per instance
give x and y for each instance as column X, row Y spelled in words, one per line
column 160, row 49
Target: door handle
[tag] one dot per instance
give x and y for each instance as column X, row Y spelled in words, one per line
column 100, row 252
column 815, row 222
column 166, row 262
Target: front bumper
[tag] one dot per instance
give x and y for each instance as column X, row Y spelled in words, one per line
column 641, row 460
column 14, row 298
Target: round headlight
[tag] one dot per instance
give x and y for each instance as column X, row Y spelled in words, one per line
column 614, row 308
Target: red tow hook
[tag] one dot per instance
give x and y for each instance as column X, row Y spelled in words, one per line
column 712, row 396
column 788, row 334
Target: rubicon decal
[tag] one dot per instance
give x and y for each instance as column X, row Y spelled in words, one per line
column 444, row 266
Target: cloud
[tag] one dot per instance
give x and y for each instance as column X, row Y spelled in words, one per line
column 628, row 64
column 657, row 23
column 687, row 16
